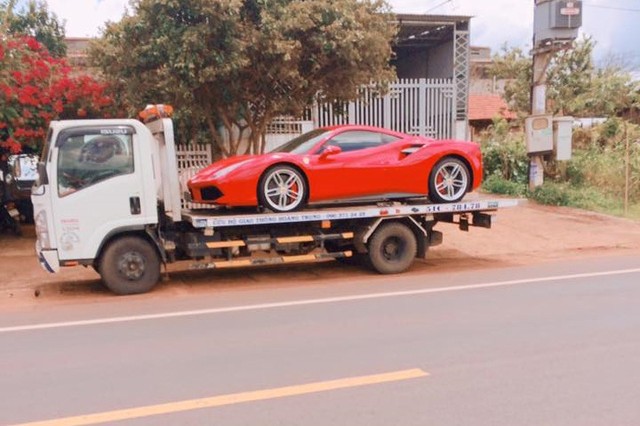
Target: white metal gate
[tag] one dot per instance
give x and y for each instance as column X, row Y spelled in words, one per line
column 425, row 107
column 191, row 159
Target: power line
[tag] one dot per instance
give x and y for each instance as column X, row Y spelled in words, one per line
column 438, row 5
column 626, row 9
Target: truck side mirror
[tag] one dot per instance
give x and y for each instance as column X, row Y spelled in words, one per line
column 42, row 178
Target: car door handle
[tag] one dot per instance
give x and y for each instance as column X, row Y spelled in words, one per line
column 134, row 205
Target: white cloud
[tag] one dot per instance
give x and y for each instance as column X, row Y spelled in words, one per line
column 494, row 23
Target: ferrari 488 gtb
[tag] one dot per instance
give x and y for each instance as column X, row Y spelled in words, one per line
column 343, row 163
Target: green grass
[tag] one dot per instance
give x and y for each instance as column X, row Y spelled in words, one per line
column 564, row 194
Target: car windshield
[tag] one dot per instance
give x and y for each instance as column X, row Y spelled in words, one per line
column 303, row 143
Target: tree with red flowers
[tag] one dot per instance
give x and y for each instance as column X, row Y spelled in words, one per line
column 36, row 88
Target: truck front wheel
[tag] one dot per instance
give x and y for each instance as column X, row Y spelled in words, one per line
column 130, row 265
column 392, row 248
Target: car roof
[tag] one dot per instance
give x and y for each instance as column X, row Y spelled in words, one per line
column 368, row 128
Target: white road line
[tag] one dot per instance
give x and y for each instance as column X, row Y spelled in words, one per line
column 311, row 301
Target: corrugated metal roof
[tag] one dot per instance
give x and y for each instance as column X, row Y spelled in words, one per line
column 432, row 18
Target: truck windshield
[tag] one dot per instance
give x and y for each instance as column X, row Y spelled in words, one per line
column 86, row 159
column 303, row 143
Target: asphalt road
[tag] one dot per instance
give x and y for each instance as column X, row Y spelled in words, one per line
column 557, row 344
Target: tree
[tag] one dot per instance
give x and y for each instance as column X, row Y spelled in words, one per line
column 513, row 65
column 36, row 88
column 36, row 21
column 569, row 78
column 575, row 86
column 237, row 64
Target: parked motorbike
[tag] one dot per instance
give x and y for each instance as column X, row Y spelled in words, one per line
column 18, row 172
column 22, row 172
column 9, row 214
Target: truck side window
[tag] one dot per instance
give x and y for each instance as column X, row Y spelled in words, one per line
column 84, row 160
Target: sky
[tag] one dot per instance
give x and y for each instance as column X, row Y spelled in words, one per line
column 613, row 24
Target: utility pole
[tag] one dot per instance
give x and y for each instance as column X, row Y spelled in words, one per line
column 541, row 59
column 555, row 26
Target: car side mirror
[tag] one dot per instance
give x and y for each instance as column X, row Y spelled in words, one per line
column 329, row 151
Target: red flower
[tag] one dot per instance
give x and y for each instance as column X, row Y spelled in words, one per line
column 12, row 145
column 6, row 90
column 58, row 107
column 33, row 44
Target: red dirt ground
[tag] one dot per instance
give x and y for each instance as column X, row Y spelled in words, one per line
column 522, row 235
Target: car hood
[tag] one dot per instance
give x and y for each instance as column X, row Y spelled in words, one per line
column 225, row 166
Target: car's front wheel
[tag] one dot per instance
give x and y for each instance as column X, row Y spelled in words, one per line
column 449, row 181
column 282, row 188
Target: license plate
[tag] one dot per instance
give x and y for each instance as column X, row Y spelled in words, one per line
column 14, row 213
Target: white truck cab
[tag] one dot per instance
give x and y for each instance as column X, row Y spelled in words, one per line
column 97, row 178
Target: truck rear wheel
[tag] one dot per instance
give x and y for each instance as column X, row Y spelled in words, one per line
column 130, row 265
column 392, row 248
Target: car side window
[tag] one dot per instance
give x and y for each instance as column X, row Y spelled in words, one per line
column 84, row 160
column 355, row 140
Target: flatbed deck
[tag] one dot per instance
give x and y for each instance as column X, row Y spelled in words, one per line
column 227, row 218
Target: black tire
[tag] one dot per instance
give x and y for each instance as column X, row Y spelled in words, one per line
column 276, row 201
column 392, row 248
column 130, row 265
column 443, row 191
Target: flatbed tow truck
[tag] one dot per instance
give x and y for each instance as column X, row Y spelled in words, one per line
column 108, row 196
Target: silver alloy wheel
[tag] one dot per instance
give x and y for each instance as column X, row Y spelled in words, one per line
column 283, row 189
column 451, row 181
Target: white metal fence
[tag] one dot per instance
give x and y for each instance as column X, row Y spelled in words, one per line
column 282, row 130
column 191, row 159
column 425, row 107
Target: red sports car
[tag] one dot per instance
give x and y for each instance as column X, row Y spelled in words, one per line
column 342, row 163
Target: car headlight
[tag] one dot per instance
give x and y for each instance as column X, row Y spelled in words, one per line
column 225, row 171
column 8, row 179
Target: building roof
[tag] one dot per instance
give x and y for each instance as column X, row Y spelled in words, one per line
column 487, row 107
column 432, row 19
column 427, row 30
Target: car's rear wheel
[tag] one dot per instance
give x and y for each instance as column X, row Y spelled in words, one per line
column 449, row 181
column 282, row 189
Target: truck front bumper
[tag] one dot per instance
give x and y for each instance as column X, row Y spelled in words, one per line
column 48, row 259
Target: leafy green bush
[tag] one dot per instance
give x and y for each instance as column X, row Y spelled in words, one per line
column 498, row 185
column 553, row 194
column 504, row 153
column 593, row 179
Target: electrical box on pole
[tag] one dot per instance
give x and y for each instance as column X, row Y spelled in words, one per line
column 539, row 134
column 556, row 21
column 562, row 135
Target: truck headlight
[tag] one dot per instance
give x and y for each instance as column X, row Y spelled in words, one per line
column 42, row 229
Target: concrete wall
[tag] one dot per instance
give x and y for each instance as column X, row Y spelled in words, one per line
column 412, row 63
column 433, row 62
column 440, row 61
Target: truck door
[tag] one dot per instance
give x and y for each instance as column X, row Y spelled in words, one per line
column 100, row 186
